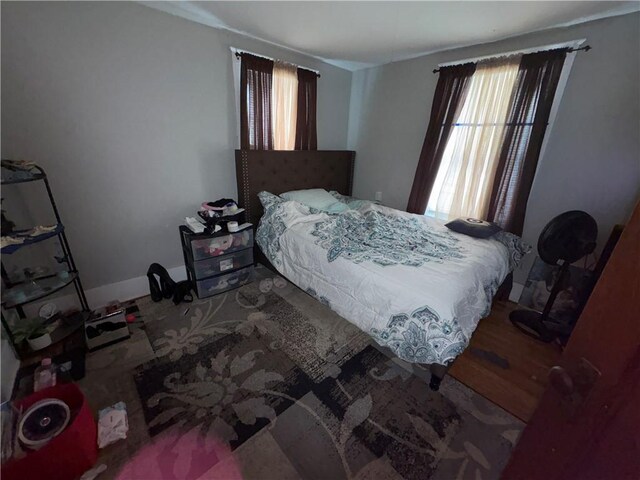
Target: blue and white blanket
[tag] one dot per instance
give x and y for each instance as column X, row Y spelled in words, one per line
column 415, row 286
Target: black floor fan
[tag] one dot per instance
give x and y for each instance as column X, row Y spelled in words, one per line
column 566, row 238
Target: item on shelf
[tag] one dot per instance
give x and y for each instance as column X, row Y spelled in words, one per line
column 20, row 172
column 221, row 208
column 41, row 229
column 107, row 326
column 27, row 237
column 18, row 165
column 34, row 331
column 232, row 226
column 219, row 245
column 113, row 424
column 44, row 420
column 194, row 225
column 48, row 310
column 8, row 240
column 218, row 213
column 45, row 375
column 33, row 289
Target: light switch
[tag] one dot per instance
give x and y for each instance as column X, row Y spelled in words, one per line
column 378, row 196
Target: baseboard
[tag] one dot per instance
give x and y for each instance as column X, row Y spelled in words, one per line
column 100, row 296
column 127, row 289
column 516, row 291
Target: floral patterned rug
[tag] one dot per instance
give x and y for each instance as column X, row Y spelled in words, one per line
column 317, row 339
column 265, row 382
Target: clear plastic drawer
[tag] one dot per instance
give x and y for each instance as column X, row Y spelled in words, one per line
column 224, row 282
column 223, row 263
column 221, row 244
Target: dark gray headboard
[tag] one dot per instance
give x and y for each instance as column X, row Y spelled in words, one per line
column 279, row 171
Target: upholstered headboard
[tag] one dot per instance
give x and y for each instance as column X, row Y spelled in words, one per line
column 279, row 171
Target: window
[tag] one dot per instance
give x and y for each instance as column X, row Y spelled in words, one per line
column 284, row 95
column 465, row 177
column 486, row 131
column 277, row 105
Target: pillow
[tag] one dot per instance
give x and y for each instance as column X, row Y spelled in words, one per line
column 473, row 227
column 352, row 202
column 316, row 198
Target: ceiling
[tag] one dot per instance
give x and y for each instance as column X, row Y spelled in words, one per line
column 356, row 35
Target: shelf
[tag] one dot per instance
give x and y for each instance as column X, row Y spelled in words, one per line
column 36, row 289
column 28, row 239
column 69, row 326
column 19, row 280
column 10, row 176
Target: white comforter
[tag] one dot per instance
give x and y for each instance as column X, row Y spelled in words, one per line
column 408, row 281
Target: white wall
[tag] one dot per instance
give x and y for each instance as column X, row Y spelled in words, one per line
column 131, row 111
column 592, row 158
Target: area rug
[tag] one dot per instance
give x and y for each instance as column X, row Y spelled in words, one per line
column 369, row 418
column 265, row 382
column 316, row 338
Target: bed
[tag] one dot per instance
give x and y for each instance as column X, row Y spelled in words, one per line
column 416, row 287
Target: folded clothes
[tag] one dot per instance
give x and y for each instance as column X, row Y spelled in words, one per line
column 113, row 424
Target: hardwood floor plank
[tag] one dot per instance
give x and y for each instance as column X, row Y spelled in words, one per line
column 519, row 387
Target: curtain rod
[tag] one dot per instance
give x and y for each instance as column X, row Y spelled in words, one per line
column 586, row 48
column 238, row 54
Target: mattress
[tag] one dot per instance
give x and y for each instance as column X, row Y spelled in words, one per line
column 412, row 284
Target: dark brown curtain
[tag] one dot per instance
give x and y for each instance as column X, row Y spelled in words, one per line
column 526, row 125
column 447, row 102
column 306, row 134
column 256, row 74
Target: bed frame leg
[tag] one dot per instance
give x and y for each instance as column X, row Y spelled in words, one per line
column 437, row 374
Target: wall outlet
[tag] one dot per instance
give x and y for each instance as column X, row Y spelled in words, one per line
column 378, row 196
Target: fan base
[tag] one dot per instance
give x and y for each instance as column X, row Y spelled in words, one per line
column 531, row 323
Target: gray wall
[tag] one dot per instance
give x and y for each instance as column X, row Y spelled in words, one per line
column 592, row 158
column 131, row 111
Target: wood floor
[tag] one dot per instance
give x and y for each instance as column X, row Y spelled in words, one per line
column 518, row 388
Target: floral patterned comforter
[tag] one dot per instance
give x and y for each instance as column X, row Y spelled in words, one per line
column 415, row 286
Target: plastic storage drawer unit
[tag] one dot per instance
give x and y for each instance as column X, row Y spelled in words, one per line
column 201, row 248
column 214, row 266
column 224, row 282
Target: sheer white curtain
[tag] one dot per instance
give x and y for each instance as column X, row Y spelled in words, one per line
column 285, row 105
column 465, row 177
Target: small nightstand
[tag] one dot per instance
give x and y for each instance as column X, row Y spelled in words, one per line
column 219, row 262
